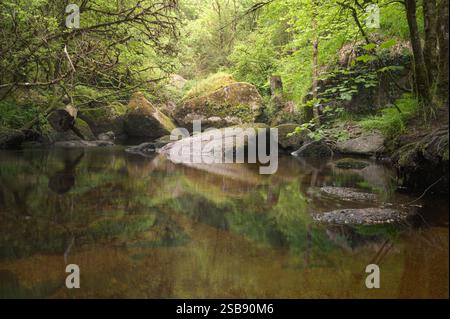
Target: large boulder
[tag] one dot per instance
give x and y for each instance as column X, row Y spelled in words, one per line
column 292, row 142
column 145, row 120
column 11, row 138
column 368, row 144
column 233, row 104
column 108, row 118
column 314, row 150
column 81, row 126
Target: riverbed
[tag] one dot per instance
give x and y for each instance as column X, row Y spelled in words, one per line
column 143, row 227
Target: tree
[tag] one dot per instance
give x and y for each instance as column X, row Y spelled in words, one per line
column 422, row 84
column 110, row 51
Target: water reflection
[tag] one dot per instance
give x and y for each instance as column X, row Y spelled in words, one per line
column 145, row 227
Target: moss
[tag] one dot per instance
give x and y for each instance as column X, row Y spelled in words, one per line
column 84, row 129
column 209, row 85
column 128, row 226
column 240, row 100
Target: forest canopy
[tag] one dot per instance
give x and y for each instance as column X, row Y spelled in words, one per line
column 125, row 46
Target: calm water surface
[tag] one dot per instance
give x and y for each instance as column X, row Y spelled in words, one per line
column 146, row 228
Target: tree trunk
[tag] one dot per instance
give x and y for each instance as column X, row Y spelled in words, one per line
column 430, row 47
column 276, row 89
column 421, row 77
column 315, row 66
column 63, row 120
column 442, row 34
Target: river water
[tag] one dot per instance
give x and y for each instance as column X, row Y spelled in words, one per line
column 147, row 228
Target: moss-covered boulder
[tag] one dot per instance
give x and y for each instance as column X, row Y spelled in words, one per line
column 142, row 119
column 108, row 118
column 314, row 150
column 422, row 164
column 289, row 141
column 80, row 125
column 232, row 104
column 368, row 144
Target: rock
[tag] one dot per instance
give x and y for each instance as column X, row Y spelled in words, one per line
column 211, row 152
column 233, row 104
column 144, row 149
column 423, row 162
column 368, row 144
column 295, row 141
column 177, row 81
column 162, row 141
column 109, row 118
column 350, row 163
column 348, row 193
column 83, row 144
column 149, row 149
column 169, row 108
column 144, row 120
column 108, row 136
column 366, row 216
column 316, row 150
column 82, row 127
column 12, row 139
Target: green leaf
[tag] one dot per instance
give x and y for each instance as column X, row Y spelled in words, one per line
column 366, row 58
column 369, row 46
column 388, row 44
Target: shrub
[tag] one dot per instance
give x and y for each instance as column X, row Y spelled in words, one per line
column 392, row 120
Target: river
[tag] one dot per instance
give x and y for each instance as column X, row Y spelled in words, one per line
column 147, row 228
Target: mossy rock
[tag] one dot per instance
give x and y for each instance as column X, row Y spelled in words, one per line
column 235, row 103
column 81, row 125
column 209, row 85
column 350, row 163
column 108, row 118
column 292, row 142
column 424, row 162
column 145, row 120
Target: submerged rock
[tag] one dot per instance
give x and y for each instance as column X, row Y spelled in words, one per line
column 144, row 149
column 365, row 216
column 350, row 163
column 368, row 144
column 83, row 144
column 314, row 150
column 145, row 120
column 348, row 193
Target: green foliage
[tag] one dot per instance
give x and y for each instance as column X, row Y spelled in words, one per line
column 392, row 120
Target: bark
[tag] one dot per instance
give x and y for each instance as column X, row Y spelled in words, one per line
column 63, row 120
column 421, row 77
column 442, row 34
column 276, row 88
column 315, row 66
column 430, row 47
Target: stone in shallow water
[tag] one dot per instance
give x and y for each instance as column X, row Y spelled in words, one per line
column 143, row 149
column 83, row 144
column 365, row 216
column 349, row 163
column 348, row 193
